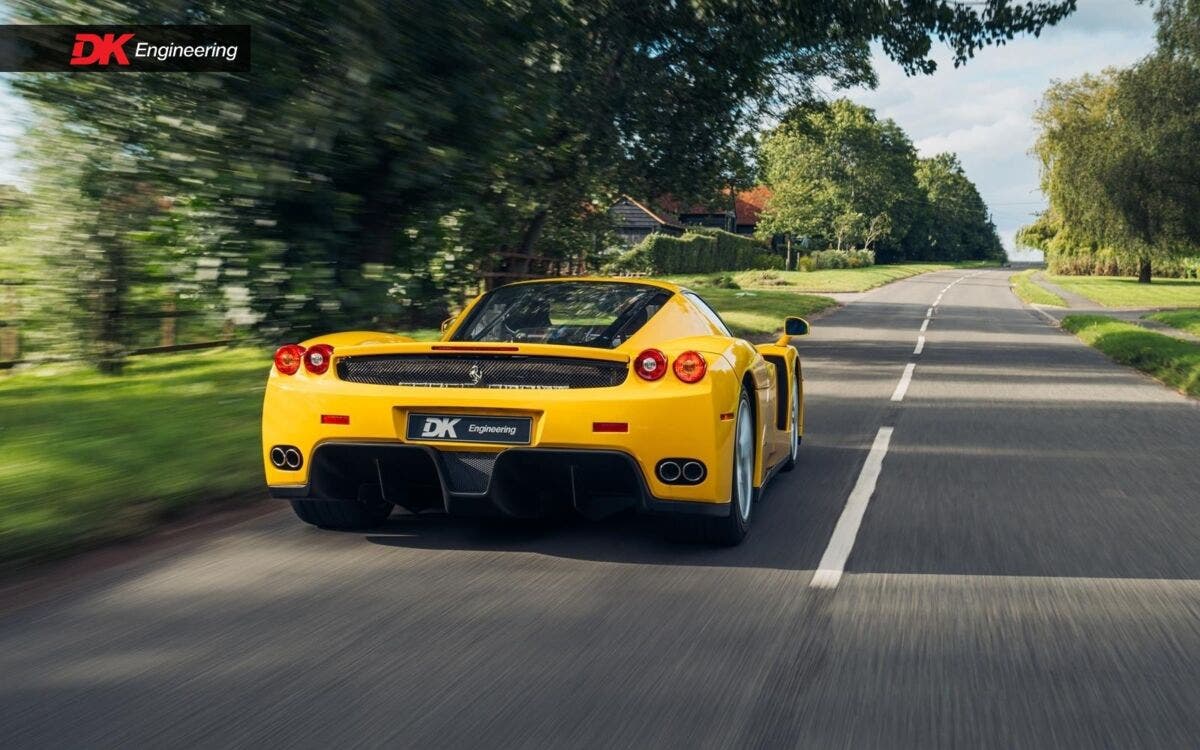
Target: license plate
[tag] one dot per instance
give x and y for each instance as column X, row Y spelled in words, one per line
column 459, row 428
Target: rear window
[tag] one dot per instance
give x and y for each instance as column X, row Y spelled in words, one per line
column 578, row 313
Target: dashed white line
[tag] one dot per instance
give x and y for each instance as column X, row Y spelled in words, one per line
column 905, row 379
column 924, row 325
column 833, row 562
column 920, row 345
column 929, row 313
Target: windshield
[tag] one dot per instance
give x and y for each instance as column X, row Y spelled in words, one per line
column 579, row 313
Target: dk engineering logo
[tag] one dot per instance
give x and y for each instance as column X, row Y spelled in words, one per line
column 132, row 49
column 107, row 49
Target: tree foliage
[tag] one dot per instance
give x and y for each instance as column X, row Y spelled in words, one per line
column 379, row 153
column 1120, row 152
column 843, row 176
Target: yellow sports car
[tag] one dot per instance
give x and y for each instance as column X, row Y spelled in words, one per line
column 598, row 394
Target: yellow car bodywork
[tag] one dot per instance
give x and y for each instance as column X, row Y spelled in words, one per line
column 664, row 418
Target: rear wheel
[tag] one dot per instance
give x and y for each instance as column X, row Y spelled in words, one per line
column 347, row 514
column 794, row 428
column 730, row 530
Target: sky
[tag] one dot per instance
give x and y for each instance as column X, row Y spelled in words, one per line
column 982, row 111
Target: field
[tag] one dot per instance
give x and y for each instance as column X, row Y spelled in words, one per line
column 1112, row 291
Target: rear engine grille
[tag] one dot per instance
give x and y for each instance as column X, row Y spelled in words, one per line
column 486, row 371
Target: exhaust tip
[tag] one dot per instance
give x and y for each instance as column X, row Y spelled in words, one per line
column 278, row 458
column 669, row 471
column 292, row 458
column 693, row 471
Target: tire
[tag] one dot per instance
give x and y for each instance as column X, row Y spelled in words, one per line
column 794, row 428
column 730, row 530
column 341, row 514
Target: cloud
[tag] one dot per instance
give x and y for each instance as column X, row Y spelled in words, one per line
column 983, row 110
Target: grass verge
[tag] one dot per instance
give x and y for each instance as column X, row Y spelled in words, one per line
column 89, row 459
column 1028, row 290
column 757, row 313
column 1113, row 291
column 1170, row 360
column 1184, row 320
column 830, row 280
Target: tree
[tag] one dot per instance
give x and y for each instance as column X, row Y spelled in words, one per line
column 953, row 221
column 839, row 173
column 377, row 154
column 1120, row 151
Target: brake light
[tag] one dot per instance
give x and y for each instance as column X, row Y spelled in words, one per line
column 316, row 359
column 690, row 367
column 287, row 358
column 650, row 364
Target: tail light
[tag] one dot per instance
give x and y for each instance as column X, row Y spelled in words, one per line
column 316, row 359
column 690, row 367
column 287, row 358
column 650, row 364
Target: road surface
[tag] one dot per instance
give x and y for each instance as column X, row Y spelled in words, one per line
column 1023, row 572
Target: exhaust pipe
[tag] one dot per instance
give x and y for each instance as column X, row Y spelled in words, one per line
column 278, row 458
column 292, row 458
column 693, row 471
column 669, row 471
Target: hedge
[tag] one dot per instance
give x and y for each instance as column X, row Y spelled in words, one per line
column 699, row 250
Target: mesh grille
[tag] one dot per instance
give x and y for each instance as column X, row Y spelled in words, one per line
column 468, row 472
column 487, row 371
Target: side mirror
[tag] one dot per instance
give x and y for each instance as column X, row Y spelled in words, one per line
column 446, row 324
column 795, row 327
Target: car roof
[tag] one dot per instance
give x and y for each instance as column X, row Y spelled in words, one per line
column 606, row 279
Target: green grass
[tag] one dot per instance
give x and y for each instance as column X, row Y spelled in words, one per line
column 758, row 313
column 831, row 280
column 1028, row 290
column 1184, row 320
column 89, row 459
column 1112, row 291
column 1173, row 361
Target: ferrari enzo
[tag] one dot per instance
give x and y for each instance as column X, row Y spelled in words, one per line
column 592, row 393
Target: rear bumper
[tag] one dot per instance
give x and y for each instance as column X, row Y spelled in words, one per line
column 514, row 482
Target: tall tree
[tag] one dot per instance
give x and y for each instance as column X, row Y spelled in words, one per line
column 840, row 174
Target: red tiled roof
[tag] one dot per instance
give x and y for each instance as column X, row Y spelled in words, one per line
column 748, row 204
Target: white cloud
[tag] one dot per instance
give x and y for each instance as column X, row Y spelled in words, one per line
column 983, row 111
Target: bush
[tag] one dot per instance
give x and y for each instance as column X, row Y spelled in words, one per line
column 822, row 259
column 699, row 250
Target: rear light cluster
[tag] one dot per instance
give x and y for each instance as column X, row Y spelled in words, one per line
column 652, row 365
column 316, row 358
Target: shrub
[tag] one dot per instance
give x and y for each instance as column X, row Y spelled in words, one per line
column 804, row 263
column 822, row 259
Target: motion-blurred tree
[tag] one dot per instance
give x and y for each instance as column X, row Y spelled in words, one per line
column 378, row 151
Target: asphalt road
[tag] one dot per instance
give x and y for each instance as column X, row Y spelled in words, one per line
column 1026, row 574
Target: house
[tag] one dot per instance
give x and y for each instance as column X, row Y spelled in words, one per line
column 634, row 220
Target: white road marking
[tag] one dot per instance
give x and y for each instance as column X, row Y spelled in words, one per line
column 937, row 301
column 925, row 325
column 905, row 379
column 929, row 313
column 833, row 562
column 920, row 345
